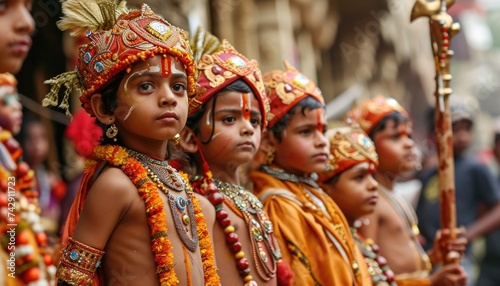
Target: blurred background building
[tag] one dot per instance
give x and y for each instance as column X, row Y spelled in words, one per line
column 353, row 49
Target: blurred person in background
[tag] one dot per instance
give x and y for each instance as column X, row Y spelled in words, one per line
column 475, row 187
column 490, row 263
column 49, row 184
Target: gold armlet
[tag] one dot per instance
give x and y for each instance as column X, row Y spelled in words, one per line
column 78, row 263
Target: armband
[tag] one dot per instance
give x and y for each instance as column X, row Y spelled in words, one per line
column 78, row 263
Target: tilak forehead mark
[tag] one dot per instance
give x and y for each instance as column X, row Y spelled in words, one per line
column 320, row 119
column 246, row 105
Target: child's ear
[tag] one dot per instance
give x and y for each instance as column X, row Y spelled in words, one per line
column 188, row 140
column 98, row 108
column 268, row 142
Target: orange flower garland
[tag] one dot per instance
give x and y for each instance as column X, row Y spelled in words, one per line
column 160, row 245
column 207, row 253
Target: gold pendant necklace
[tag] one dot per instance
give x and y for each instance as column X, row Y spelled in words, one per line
column 259, row 226
column 161, row 171
column 167, row 178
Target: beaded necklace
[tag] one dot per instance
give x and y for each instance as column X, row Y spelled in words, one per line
column 248, row 207
column 205, row 185
column 168, row 179
column 379, row 271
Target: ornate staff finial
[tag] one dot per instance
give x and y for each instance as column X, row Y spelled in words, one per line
column 442, row 29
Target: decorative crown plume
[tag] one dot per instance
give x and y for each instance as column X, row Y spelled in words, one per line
column 81, row 16
column 203, row 42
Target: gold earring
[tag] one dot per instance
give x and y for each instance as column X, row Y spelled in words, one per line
column 111, row 132
column 269, row 157
column 176, row 138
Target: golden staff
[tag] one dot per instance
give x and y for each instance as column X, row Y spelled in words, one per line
column 442, row 29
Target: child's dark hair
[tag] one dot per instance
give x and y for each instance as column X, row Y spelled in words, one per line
column 396, row 117
column 308, row 103
column 194, row 120
column 333, row 180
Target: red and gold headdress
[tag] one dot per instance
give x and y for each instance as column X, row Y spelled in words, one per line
column 118, row 39
column 349, row 146
column 224, row 66
column 372, row 111
column 285, row 89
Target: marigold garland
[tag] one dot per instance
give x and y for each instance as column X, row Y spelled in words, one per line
column 160, row 245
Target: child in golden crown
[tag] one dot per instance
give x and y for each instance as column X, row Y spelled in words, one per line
column 135, row 220
column 393, row 224
column 350, row 183
column 223, row 134
column 311, row 230
column 25, row 258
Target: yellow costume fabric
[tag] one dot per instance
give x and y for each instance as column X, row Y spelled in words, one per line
column 320, row 249
column 408, row 281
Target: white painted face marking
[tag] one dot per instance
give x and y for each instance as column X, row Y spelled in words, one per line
column 207, row 117
column 188, row 136
column 134, row 103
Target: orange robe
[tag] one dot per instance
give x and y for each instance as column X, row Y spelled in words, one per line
column 320, row 249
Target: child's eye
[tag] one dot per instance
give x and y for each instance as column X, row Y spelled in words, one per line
column 229, row 119
column 305, row 131
column 3, row 4
column 146, row 86
column 179, row 87
column 255, row 121
column 359, row 177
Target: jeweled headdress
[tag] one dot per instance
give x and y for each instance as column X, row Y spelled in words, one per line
column 372, row 111
column 285, row 89
column 118, row 39
column 222, row 67
column 349, row 146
